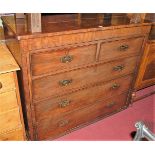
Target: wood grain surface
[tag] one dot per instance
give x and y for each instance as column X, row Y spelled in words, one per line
column 102, row 63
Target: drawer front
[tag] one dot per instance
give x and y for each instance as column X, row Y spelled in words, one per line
column 6, row 82
column 9, row 120
column 61, row 83
column 53, row 127
column 56, row 107
column 121, row 48
column 8, row 101
column 52, row 61
column 16, row 135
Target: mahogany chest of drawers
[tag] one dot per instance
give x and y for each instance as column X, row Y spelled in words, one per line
column 11, row 117
column 75, row 77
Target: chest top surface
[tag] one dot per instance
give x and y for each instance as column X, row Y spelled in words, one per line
column 7, row 62
column 52, row 24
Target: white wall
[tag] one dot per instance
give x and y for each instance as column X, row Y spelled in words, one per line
column 1, row 22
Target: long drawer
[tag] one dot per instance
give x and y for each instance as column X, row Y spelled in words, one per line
column 52, row 127
column 55, row 107
column 121, row 48
column 61, row 83
column 51, row 61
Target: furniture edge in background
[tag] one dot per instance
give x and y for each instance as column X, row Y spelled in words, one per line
column 12, row 123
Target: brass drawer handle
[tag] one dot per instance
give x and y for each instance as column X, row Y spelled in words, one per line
column 115, row 86
column 110, row 104
column 65, row 82
column 66, row 59
column 118, row 68
column 64, row 103
column 1, row 85
column 63, row 123
column 123, row 47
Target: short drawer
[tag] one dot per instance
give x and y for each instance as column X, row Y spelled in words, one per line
column 52, row 127
column 56, row 107
column 121, row 48
column 16, row 135
column 52, row 61
column 59, row 84
column 8, row 101
column 9, row 120
column 6, row 82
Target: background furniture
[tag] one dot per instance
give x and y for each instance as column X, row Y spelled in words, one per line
column 75, row 72
column 146, row 75
column 11, row 117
